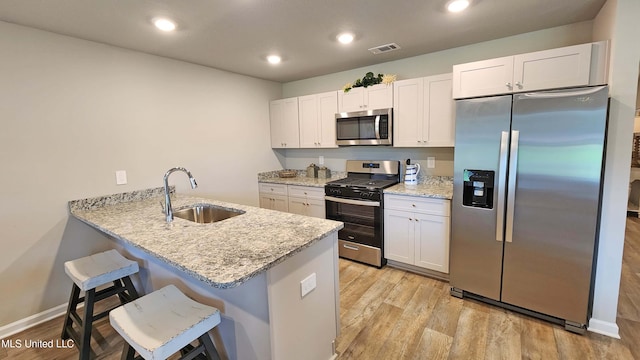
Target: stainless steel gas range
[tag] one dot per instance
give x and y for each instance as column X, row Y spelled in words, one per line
column 357, row 201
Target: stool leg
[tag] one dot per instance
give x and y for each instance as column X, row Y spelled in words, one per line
column 131, row 290
column 87, row 324
column 128, row 353
column 118, row 285
column 73, row 304
column 209, row 349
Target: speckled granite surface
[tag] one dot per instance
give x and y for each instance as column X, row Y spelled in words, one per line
column 302, row 179
column 440, row 187
column 223, row 254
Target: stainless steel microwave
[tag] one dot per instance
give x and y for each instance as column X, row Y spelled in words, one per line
column 370, row 127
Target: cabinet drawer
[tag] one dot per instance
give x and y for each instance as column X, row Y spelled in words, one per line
column 306, row 192
column 274, row 189
column 418, row 204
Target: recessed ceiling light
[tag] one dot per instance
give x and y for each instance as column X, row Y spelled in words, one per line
column 345, row 38
column 458, row 5
column 164, row 24
column 274, row 59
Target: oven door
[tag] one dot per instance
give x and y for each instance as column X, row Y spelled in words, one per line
column 361, row 237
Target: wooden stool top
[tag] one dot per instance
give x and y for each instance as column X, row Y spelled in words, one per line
column 159, row 324
column 98, row 269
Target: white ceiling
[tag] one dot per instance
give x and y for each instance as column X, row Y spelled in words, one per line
column 236, row 35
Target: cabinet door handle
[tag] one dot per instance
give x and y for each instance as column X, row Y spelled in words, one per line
column 518, row 84
column 509, row 85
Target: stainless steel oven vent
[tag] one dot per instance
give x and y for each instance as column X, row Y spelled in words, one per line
column 384, row 48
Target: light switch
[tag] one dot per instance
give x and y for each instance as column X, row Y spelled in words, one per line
column 431, row 162
column 320, row 160
column 121, row 177
column 308, row 284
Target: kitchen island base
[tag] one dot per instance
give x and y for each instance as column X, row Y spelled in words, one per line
column 265, row 317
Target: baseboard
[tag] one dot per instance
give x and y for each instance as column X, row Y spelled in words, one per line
column 418, row 270
column 33, row 320
column 604, row 328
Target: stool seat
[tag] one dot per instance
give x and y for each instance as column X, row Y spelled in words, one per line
column 98, row 269
column 87, row 274
column 160, row 324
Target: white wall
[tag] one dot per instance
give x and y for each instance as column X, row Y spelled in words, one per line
column 73, row 112
column 616, row 21
column 441, row 62
column 424, row 65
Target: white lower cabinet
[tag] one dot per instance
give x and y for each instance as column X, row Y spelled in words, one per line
column 302, row 200
column 417, row 231
column 274, row 197
column 305, row 200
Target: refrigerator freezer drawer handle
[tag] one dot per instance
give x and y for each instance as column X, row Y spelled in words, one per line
column 511, row 196
column 502, row 182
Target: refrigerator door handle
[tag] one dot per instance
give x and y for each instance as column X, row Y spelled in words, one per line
column 502, row 182
column 511, row 196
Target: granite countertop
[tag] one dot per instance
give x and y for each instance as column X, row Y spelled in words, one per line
column 439, row 187
column 223, row 254
column 301, row 179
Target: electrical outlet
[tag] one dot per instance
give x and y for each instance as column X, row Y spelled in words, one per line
column 121, row 177
column 431, row 162
column 320, row 160
column 308, row 284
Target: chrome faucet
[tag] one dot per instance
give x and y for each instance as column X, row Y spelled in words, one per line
column 168, row 211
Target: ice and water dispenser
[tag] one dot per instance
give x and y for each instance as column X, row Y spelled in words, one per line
column 478, row 188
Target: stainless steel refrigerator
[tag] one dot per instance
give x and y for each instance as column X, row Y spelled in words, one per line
column 527, row 190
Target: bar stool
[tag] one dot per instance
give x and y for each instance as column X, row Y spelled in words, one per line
column 87, row 274
column 164, row 322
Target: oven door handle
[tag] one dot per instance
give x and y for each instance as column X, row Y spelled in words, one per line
column 352, row 202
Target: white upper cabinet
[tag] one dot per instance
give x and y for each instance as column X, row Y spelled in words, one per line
column 283, row 114
column 424, row 112
column 564, row 67
column 317, row 120
column 486, row 77
column 577, row 65
column 408, row 102
column 370, row 98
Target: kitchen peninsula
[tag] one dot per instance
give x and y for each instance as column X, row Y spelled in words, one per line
column 250, row 266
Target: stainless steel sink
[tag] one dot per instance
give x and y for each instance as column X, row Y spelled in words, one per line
column 206, row 214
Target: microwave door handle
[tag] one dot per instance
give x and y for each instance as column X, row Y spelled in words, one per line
column 377, row 126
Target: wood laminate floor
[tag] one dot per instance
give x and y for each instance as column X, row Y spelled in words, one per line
column 393, row 314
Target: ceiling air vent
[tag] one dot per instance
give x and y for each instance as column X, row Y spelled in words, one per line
column 384, row 48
